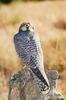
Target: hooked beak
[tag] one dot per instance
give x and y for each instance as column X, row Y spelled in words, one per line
column 29, row 26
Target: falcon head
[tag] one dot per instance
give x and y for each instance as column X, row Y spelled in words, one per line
column 26, row 26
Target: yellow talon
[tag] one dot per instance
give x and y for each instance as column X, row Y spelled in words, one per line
column 24, row 67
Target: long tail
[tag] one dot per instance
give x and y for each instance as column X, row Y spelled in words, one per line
column 37, row 73
column 43, row 88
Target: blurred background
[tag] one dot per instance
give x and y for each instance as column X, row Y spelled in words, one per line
column 49, row 20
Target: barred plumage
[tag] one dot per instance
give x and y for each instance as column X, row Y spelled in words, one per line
column 28, row 48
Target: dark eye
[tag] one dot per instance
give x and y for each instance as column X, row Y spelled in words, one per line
column 26, row 25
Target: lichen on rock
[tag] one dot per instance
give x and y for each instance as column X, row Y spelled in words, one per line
column 23, row 87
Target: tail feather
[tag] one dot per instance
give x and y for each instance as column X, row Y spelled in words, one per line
column 41, row 84
column 37, row 72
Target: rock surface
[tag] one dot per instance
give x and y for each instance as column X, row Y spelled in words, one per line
column 23, row 87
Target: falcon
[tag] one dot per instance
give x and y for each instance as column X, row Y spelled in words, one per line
column 28, row 47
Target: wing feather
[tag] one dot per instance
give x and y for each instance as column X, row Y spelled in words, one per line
column 21, row 50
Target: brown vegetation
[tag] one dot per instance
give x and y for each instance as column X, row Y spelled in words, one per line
column 49, row 19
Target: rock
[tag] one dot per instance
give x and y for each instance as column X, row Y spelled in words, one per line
column 23, row 87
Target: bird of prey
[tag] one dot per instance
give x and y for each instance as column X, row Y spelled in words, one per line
column 28, row 48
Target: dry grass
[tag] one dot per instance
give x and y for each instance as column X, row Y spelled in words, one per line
column 49, row 19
